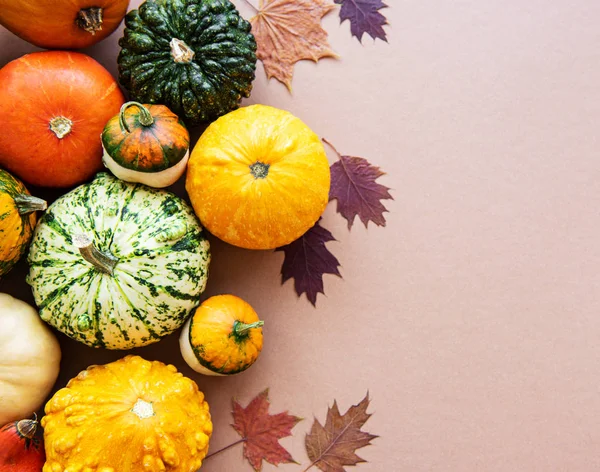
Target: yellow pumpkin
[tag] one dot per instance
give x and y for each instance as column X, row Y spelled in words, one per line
column 17, row 220
column 258, row 178
column 131, row 415
column 222, row 337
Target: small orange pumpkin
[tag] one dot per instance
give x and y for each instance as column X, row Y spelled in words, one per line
column 222, row 337
column 146, row 144
column 61, row 24
column 17, row 220
column 258, row 178
column 20, row 449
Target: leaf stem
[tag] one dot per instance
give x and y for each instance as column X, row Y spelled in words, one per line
column 251, row 6
column 225, row 448
column 311, row 465
column 332, row 147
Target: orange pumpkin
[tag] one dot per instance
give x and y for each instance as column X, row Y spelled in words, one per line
column 53, row 107
column 258, row 178
column 20, row 449
column 148, row 144
column 223, row 336
column 62, row 24
column 131, row 415
column 17, row 220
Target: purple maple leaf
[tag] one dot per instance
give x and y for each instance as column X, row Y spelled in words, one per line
column 307, row 260
column 364, row 17
column 353, row 186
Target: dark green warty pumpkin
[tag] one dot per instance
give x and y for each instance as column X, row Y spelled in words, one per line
column 198, row 57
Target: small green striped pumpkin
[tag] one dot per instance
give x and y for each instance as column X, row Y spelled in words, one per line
column 118, row 265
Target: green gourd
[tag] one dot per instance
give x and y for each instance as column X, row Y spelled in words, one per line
column 198, row 57
column 118, row 265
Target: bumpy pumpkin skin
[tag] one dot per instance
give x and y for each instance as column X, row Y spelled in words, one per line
column 53, row 24
column 131, row 415
column 53, row 107
column 161, row 270
column 211, row 342
column 258, row 178
column 16, row 229
column 198, row 57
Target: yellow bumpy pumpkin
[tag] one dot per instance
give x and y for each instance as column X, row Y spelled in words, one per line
column 131, row 415
column 258, row 178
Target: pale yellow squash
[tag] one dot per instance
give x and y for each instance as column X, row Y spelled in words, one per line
column 29, row 360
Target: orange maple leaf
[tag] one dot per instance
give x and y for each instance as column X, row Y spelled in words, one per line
column 288, row 31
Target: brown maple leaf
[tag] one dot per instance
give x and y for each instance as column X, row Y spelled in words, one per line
column 261, row 431
column 288, row 31
column 332, row 447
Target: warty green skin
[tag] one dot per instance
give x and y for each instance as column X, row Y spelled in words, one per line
column 218, row 77
column 162, row 270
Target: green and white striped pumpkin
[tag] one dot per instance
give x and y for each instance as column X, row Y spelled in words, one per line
column 118, row 265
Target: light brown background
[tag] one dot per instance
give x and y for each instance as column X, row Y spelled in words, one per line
column 473, row 317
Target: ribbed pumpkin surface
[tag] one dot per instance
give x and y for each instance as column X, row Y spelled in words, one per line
column 53, row 107
column 213, row 337
column 161, row 271
column 146, row 148
column 58, row 24
column 258, row 178
column 198, row 57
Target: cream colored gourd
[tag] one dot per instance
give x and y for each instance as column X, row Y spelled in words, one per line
column 29, row 359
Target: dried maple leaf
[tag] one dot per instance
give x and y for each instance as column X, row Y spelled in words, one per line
column 353, row 186
column 261, row 431
column 288, row 31
column 333, row 446
column 307, row 260
column 364, row 17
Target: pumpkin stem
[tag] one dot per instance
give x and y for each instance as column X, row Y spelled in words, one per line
column 260, row 170
column 145, row 117
column 103, row 262
column 143, row 409
column 241, row 329
column 89, row 19
column 27, row 428
column 181, row 52
column 60, row 126
column 28, row 204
